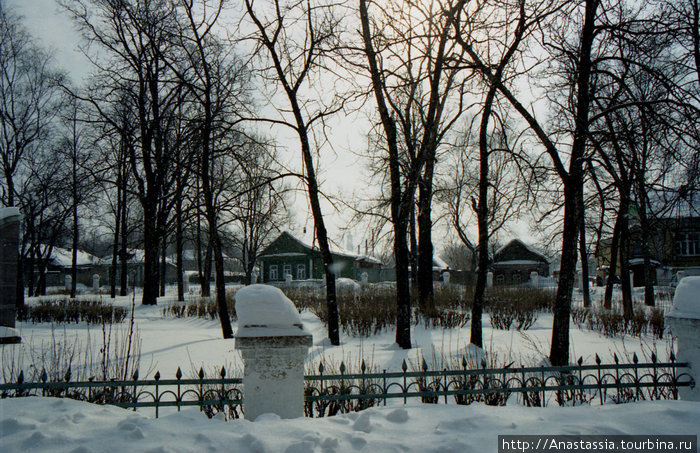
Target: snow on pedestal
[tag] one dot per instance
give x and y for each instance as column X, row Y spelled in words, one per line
column 684, row 322
column 273, row 344
column 9, row 246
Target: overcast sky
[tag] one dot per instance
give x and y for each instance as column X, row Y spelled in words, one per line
column 343, row 175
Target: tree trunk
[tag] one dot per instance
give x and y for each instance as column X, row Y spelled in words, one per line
column 413, row 251
column 124, row 274
column 74, row 257
column 646, row 248
column 583, row 254
column 115, row 251
column 425, row 243
column 559, row 353
column 614, row 252
column 573, row 186
column 403, row 292
column 178, row 251
column 151, row 247
column 625, row 281
column 163, row 265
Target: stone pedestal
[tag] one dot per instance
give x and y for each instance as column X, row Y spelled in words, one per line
column 9, row 257
column 69, row 281
column 273, row 381
column 95, row 282
column 489, row 279
column 273, row 344
column 364, row 279
column 446, row 277
column 684, row 323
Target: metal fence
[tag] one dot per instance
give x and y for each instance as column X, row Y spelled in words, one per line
column 211, row 395
column 330, row 394
column 531, row 386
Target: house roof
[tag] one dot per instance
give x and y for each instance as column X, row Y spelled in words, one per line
column 138, row 256
column 309, row 243
column 527, row 247
column 64, row 258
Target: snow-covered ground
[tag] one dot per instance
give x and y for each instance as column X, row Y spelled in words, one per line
column 190, row 343
column 60, row 425
column 44, row 424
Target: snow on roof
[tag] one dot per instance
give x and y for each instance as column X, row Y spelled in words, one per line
column 137, row 256
column 527, row 246
column 309, row 241
column 64, row 258
column 439, row 262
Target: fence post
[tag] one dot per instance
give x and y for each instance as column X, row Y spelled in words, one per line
column 273, row 344
column 9, row 257
column 684, row 323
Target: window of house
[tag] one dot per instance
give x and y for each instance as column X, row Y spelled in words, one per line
column 301, row 272
column 687, row 244
column 516, row 278
column 500, row 279
column 273, row 272
column 287, row 270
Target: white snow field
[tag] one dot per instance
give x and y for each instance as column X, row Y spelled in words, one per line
column 55, row 425
column 61, row 425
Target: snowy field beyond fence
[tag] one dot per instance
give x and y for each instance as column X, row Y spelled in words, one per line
column 44, row 424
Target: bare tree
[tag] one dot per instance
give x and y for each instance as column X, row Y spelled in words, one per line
column 410, row 105
column 293, row 40
column 127, row 40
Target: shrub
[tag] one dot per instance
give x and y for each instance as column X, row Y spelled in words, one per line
column 200, row 307
column 91, row 311
column 656, row 322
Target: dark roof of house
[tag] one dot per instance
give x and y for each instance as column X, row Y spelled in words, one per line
column 517, row 252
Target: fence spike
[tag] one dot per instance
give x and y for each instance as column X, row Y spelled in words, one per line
column 321, row 367
column 157, row 376
column 201, row 373
column 178, row 374
column 424, row 365
column 136, row 375
column 404, row 367
column 223, row 372
column 363, row 367
column 580, row 361
column 672, row 357
column 616, row 358
column 483, row 363
column 342, row 367
column 635, row 359
column 68, row 374
column 653, row 358
column 464, row 362
column 597, row 359
column 44, row 377
column 20, row 378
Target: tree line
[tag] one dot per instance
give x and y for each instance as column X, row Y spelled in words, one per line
column 576, row 113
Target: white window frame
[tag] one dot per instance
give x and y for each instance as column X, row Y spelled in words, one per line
column 274, row 275
column 287, row 270
column 301, row 272
column 688, row 243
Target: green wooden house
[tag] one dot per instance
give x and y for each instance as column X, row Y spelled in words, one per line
column 288, row 255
